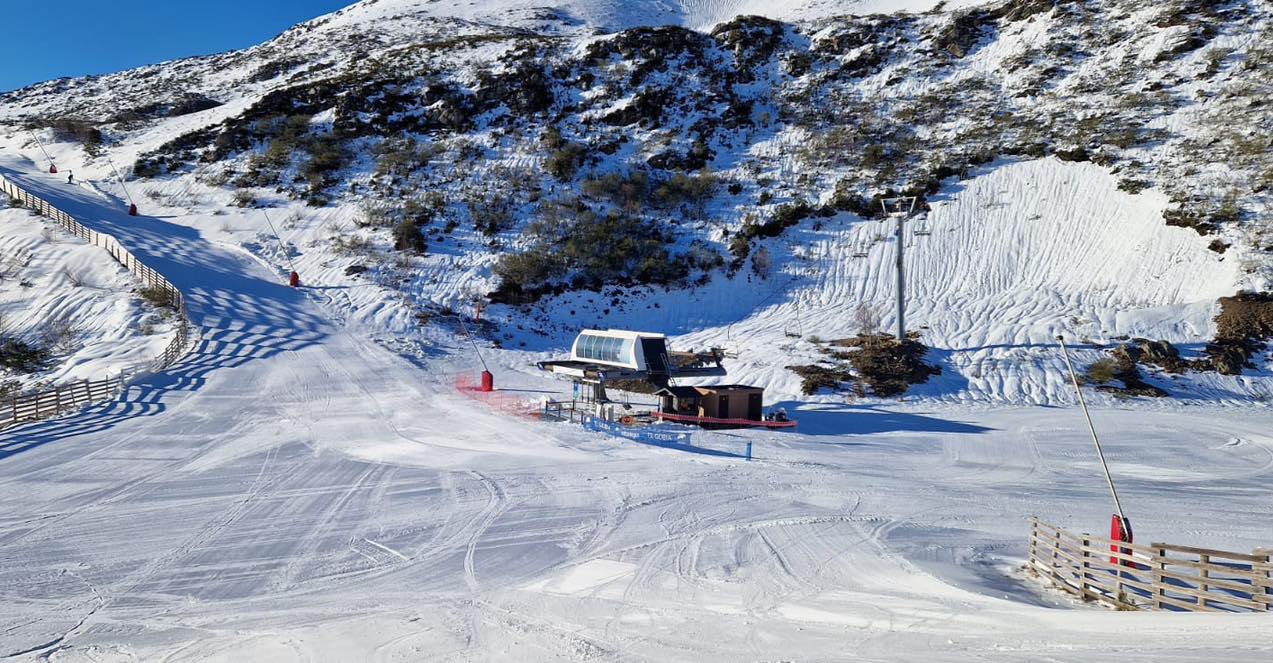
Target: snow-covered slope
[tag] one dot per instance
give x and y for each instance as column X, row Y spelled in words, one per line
column 832, row 111
column 72, row 300
column 1019, row 253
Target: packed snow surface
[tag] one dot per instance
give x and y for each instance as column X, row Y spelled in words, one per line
column 295, row 491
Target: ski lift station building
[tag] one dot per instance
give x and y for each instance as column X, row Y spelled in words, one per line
column 617, row 354
column 635, row 351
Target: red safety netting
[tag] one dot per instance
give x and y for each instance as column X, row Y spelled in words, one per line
column 513, row 405
column 730, row 422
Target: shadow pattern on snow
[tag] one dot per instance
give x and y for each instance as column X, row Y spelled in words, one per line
column 821, row 420
column 238, row 317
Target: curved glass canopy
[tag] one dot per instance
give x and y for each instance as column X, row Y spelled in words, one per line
column 609, row 349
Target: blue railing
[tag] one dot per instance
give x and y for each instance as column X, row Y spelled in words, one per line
column 667, row 437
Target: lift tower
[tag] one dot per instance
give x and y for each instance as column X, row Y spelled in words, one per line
column 900, row 210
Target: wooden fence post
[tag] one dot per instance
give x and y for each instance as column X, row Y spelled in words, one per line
column 1056, row 554
column 1159, row 564
column 1267, row 553
column 1085, row 566
column 1204, row 572
column 1034, row 534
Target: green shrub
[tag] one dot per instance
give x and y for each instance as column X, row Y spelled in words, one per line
column 22, row 357
column 157, row 297
column 681, row 189
column 1103, row 371
column 408, row 236
column 565, row 161
column 492, row 215
column 401, row 157
column 627, row 190
column 815, row 377
column 80, row 131
column 574, row 248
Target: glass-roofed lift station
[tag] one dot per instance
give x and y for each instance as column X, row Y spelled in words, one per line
column 617, row 348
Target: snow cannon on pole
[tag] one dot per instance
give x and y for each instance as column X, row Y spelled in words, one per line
column 488, row 378
column 1120, row 528
column 52, row 166
column 132, row 206
column 294, row 278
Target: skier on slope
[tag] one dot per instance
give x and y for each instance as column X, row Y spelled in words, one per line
column 70, row 177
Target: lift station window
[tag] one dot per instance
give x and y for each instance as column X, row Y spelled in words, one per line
column 605, row 348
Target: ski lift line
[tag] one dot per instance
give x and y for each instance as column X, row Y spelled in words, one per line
column 1091, row 427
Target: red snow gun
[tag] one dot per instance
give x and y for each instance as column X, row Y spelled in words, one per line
column 1120, row 531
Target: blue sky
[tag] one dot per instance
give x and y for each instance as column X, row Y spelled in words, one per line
column 45, row 39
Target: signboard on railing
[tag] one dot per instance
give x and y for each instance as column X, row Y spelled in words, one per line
column 658, row 436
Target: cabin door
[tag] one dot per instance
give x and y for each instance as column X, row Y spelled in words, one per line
column 755, row 403
column 722, row 407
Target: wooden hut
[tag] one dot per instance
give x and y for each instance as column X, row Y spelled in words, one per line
column 724, row 401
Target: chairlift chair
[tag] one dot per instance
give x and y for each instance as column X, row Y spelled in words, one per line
column 731, row 346
column 799, row 328
column 922, row 227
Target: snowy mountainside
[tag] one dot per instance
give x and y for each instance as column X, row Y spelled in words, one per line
column 1098, row 168
column 617, row 15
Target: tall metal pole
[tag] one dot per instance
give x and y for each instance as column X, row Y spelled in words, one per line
column 39, row 142
column 1095, row 439
column 281, row 246
column 121, row 180
column 901, row 279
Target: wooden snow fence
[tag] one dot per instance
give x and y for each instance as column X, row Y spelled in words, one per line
column 1158, row 576
column 58, row 400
